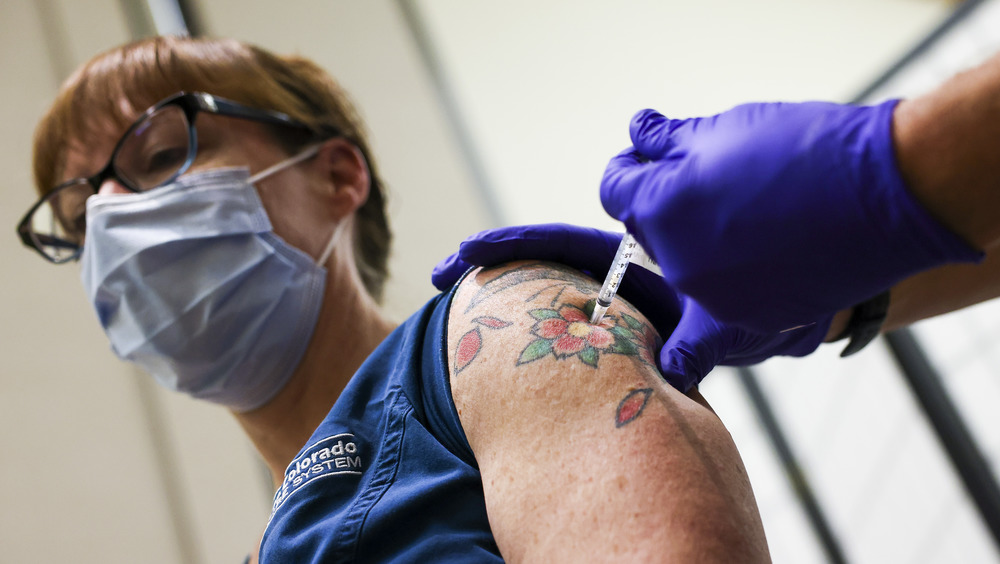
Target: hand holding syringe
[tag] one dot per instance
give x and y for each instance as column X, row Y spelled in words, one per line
column 629, row 251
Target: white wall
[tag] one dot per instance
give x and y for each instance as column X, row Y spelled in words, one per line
column 548, row 88
column 76, row 462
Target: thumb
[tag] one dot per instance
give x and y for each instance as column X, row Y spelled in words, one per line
column 695, row 347
column 448, row 271
column 621, row 179
column 654, row 135
column 583, row 248
column 650, row 131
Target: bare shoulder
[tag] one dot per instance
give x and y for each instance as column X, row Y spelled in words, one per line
column 584, row 450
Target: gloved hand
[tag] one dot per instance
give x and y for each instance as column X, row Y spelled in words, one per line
column 773, row 215
column 695, row 341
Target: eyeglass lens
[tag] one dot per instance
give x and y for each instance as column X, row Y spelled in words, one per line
column 154, row 150
column 57, row 225
column 151, row 154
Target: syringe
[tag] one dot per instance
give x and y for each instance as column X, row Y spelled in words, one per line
column 622, row 259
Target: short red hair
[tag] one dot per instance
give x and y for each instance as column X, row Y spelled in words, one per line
column 105, row 95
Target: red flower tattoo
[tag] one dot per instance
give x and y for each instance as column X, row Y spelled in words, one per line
column 567, row 332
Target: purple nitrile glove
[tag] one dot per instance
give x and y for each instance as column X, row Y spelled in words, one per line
column 774, row 215
column 695, row 342
column 588, row 250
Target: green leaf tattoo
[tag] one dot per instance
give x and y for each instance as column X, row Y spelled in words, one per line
column 534, row 351
column 544, row 313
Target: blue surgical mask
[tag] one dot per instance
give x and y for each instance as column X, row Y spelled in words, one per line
column 190, row 283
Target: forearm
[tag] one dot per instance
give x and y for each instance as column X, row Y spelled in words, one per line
column 946, row 146
column 934, row 292
column 943, row 290
column 945, row 143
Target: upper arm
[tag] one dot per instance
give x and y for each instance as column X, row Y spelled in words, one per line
column 585, row 453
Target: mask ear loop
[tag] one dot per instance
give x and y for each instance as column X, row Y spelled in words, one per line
column 291, row 161
column 337, row 231
column 325, row 255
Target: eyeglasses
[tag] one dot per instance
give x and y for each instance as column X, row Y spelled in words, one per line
column 155, row 150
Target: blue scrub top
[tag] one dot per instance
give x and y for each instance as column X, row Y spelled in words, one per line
column 389, row 475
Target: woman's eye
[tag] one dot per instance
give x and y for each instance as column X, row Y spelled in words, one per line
column 166, row 159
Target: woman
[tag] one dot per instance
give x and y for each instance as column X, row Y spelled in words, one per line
column 231, row 228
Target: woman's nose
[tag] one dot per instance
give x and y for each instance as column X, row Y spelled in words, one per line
column 112, row 186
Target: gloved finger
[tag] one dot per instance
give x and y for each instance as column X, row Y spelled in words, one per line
column 696, row 346
column 633, row 185
column 586, row 249
column 562, row 243
column 448, row 271
column 583, row 248
column 752, row 348
column 620, row 180
column 651, row 134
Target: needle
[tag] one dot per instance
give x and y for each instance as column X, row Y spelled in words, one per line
column 622, row 258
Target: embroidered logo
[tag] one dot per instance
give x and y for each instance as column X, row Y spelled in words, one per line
column 331, row 456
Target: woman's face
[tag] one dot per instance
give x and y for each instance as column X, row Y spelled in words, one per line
column 293, row 197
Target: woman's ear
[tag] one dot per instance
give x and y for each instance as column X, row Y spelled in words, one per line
column 346, row 172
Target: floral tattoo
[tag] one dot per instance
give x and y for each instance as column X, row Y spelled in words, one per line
column 567, row 332
column 562, row 330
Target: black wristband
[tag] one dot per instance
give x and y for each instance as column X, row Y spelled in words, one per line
column 865, row 323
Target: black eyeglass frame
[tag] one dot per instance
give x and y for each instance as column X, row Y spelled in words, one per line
column 191, row 103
